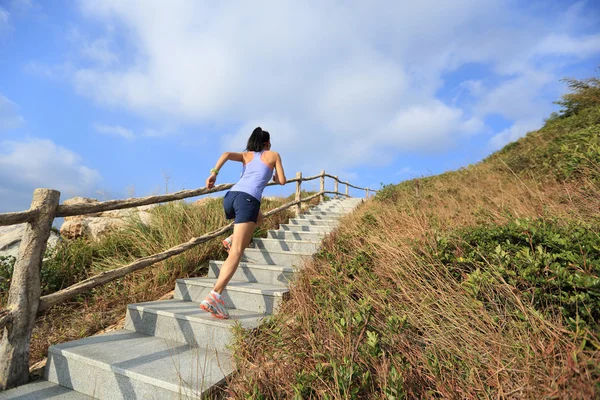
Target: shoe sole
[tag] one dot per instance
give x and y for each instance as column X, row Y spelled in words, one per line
column 209, row 308
column 226, row 245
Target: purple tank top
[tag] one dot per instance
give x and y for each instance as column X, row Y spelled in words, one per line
column 255, row 176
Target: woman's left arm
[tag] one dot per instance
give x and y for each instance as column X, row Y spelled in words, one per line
column 210, row 181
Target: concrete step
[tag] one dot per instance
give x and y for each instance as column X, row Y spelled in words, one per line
column 304, row 221
column 307, row 228
column 312, row 217
column 184, row 322
column 42, row 389
column 283, row 258
column 326, row 215
column 298, row 246
column 334, row 207
column 344, row 200
column 129, row 365
column 255, row 273
column 256, row 297
column 334, row 211
column 289, row 235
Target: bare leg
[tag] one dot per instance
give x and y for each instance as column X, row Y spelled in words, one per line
column 259, row 221
column 242, row 233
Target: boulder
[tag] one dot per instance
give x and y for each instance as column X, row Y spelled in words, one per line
column 10, row 239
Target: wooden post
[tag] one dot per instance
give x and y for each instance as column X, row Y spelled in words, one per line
column 347, row 188
column 24, row 292
column 298, row 206
column 322, row 197
column 335, row 186
column 367, row 193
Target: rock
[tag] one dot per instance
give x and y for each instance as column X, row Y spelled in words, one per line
column 74, row 228
column 97, row 225
column 10, row 239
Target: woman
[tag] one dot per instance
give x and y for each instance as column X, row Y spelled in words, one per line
column 242, row 204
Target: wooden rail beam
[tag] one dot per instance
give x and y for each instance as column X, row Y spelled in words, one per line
column 13, row 218
column 20, row 217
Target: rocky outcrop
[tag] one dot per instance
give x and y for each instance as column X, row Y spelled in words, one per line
column 10, row 239
column 98, row 225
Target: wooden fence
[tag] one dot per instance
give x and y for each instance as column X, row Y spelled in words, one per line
column 24, row 297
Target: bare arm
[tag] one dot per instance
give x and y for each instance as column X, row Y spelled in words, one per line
column 210, row 181
column 279, row 176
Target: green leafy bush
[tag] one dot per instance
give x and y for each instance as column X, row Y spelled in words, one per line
column 7, row 264
column 554, row 264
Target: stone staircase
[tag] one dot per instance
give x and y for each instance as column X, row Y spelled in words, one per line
column 173, row 350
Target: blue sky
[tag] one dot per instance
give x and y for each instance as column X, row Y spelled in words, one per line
column 108, row 99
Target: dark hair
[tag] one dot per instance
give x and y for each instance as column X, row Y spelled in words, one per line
column 257, row 140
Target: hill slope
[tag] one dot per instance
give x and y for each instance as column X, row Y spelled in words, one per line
column 478, row 283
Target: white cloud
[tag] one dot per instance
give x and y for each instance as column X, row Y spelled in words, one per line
column 52, row 72
column 581, row 47
column 37, row 163
column 518, row 98
column 516, row 131
column 9, row 115
column 336, row 83
column 433, row 127
column 115, row 130
column 98, row 50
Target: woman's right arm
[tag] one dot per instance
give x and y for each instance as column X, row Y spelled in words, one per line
column 210, row 181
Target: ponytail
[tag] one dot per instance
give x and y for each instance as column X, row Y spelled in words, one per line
column 257, row 140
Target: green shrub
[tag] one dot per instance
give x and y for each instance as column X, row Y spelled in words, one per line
column 584, row 94
column 7, row 264
column 554, row 264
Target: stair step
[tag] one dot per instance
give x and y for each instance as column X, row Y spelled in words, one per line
column 255, row 273
column 256, row 297
column 306, row 228
column 305, row 221
column 283, row 258
column 325, row 214
column 42, row 389
column 129, row 365
column 184, row 322
column 290, row 235
column 335, row 208
column 318, row 218
column 298, row 246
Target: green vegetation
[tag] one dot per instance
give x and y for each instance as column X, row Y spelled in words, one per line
column 6, row 271
column 478, row 283
column 555, row 265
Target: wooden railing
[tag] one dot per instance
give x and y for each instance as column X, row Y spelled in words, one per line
column 24, row 297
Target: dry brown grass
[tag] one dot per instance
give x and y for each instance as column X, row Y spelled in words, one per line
column 377, row 315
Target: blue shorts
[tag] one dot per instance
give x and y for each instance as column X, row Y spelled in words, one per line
column 241, row 207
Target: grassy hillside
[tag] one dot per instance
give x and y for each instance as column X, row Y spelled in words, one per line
column 478, row 283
